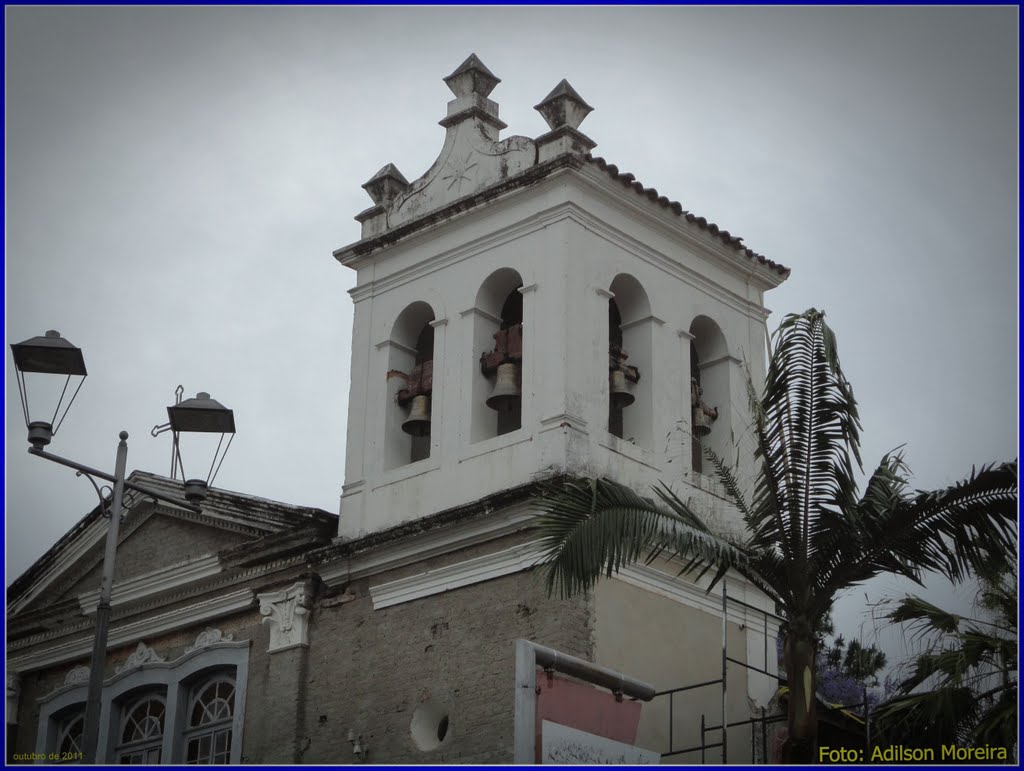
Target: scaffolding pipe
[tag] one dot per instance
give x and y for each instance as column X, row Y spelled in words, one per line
column 764, row 736
column 867, row 724
column 702, row 740
column 614, row 681
column 725, row 662
column 529, row 656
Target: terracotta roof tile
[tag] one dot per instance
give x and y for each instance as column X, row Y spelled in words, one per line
column 652, row 194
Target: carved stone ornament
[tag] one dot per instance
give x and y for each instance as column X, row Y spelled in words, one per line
column 77, row 676
column 143, row 655
column 209, row 636
column 288, row 616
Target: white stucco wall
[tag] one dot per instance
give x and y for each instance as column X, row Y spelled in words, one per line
column 652, row 624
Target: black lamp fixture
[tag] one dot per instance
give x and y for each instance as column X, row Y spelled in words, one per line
column 50, row 354
column 205, row 415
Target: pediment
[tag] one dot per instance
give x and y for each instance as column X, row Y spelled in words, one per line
column 151, row 543
column 153, row 539
column 473, row 159
column 468, row 163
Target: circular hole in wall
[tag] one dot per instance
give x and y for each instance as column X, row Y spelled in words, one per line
column 429, row 726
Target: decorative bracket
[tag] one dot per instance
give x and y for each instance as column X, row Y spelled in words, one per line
column 287, row 613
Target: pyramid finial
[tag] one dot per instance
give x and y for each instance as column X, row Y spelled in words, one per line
column 386, row 184
column 563, row 107
column 472, row 77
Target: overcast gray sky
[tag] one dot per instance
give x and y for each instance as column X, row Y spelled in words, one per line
column 178, row 177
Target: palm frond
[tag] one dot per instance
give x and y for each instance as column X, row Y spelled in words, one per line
column 595, row 527
column 729, row 482
column 945, row 531
column 811, row 428
column 928, row 618
column 931, row 718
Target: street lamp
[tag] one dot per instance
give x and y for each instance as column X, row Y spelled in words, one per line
column 51, row 354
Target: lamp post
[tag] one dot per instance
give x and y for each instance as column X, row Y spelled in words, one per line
column 51, row 354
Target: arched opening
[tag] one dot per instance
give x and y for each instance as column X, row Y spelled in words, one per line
column 710, row 423
column 209, row 731
column 630, row 415
column 141, row 730
column 70, row 733
column 410, row 383
column 498, row 337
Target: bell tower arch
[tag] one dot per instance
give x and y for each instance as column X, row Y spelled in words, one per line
column 577, row 297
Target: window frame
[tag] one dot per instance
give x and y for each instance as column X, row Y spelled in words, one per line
column 146, row 744
column 192, row 732
column 175, row 680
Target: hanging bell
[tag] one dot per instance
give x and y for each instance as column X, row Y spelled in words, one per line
column 418, row 422
column 617, row 385
column 506, row 388
column 701, row 423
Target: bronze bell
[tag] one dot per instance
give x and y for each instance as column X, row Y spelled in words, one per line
column 617, row 384
column 418, row 422
column 506, row 388
column 701, row 423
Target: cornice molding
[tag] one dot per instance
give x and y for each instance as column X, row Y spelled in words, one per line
column 93, row 534
column 464, row 251
column 341, row 570
column 71, row 684
column 765, row 278
column 671, row 266
column 156, row 582
column 501, row 563
column 126, row 634
column 695, row 595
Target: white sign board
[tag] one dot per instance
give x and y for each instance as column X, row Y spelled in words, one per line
column 569, row 746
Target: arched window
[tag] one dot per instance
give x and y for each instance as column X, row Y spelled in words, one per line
column 70, row 735
column 630, row 341
column 159, row 712
column 410, row 383
column 497, row 406
column 142, row 731
column 710, row 402
column 619, row 395
column 211, row 715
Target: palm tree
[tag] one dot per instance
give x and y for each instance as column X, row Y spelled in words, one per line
column 962, row 689
column 809, row 535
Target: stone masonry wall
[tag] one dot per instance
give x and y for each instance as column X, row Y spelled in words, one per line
column 370, row 670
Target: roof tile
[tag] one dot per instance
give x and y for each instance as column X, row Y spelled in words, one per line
column 677, row 208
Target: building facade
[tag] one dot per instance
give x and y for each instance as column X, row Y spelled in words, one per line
column 524, row 310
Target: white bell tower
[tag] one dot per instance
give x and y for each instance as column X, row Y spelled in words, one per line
column 524, row 309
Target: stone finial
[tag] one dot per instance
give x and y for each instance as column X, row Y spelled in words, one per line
column 385, row 185
column 563, row 107
column 472, row 77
